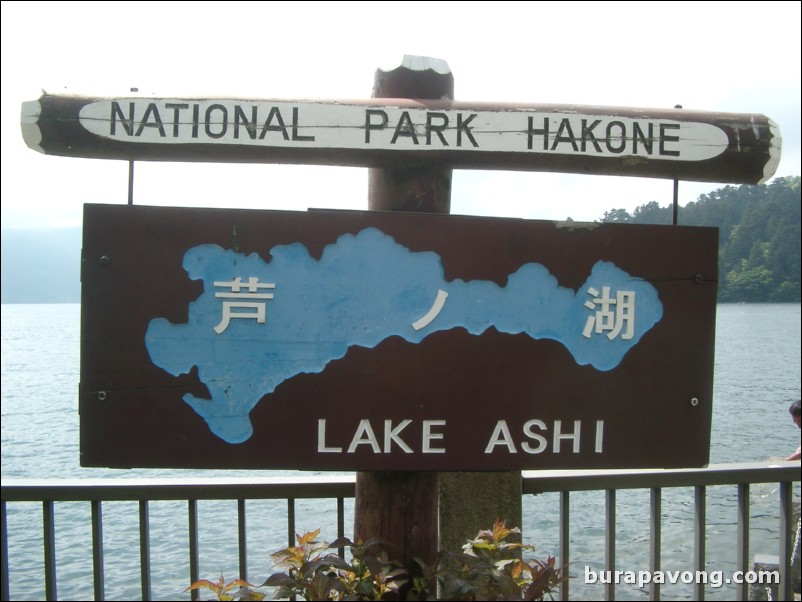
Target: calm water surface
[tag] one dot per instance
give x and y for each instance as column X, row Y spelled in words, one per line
column 757, row 374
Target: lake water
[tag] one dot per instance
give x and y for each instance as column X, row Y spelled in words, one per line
column 757, row 375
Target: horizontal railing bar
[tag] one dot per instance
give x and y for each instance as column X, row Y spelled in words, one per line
column 543, row 481
column 77, row 490
column 32, row 490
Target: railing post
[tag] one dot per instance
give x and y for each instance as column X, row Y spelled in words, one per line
column 98, row 571
column 242, row 537
column 742, row 589
column 4, row 587
column 49, row 525
column 290, row 522
column 144, row 549
column 341, row 524
column 699, row 528
column 194, row 557
column 656, row 508
column 609, row 543
column 565, row 538
column 786, row 587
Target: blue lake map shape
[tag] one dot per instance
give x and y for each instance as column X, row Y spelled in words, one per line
column 364, row 289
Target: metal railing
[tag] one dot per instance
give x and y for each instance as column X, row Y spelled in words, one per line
column 740, row 476
column 144, row 491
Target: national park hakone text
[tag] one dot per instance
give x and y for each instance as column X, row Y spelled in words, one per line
column 395, row 128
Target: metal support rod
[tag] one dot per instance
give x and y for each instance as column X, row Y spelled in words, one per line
column 130, row 182
column 675, row 218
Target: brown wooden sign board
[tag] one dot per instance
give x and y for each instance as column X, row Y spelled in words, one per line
column 323, row 340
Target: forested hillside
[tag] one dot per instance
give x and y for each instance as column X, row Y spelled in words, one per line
column 759, row 237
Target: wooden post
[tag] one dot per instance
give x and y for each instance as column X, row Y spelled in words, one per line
column 405, row 508
column 420, row 187
column 401, row 507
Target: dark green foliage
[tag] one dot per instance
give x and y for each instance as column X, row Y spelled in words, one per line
column 759, row 237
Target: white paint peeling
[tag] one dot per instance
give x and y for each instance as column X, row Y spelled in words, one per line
column 423, row 63
column 775, row 150
column 29, row 123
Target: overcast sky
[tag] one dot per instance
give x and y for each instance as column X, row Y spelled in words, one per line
column 739, row 57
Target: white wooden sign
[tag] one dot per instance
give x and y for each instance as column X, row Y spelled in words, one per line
column 658, row 143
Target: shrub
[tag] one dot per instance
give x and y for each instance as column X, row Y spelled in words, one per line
column 489, row 567
column 313, row 575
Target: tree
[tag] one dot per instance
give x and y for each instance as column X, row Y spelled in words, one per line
column 616, row 216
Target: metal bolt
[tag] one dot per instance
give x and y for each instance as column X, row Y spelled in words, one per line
column 105, row 260
column 101, row 396
column 694, row 401
column 698, row 279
